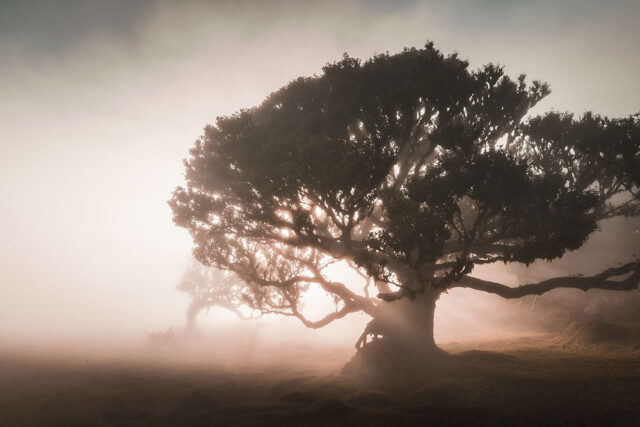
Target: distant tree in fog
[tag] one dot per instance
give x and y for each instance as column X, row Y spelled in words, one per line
column 210, row 287
column 413, row 168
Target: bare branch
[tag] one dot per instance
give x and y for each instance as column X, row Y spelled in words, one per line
column 340, row 290
column 599, row 281
column 348, row 308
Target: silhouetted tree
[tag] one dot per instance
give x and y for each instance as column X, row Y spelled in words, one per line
column 415, row 169
column 210, row 287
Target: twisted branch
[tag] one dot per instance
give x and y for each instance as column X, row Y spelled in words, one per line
column 599, row 281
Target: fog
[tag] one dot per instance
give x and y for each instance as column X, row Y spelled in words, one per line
column 102, row 100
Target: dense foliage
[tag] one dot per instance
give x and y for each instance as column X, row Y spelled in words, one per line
column 412, row 167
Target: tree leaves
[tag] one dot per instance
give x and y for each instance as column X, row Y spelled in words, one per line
column 411, row 165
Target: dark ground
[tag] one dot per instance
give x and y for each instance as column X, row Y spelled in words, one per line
column 525, row 382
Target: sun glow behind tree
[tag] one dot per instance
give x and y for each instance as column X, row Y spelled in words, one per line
column 101, row 102
column 413, row 169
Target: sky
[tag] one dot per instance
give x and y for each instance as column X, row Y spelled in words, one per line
column 101, row 100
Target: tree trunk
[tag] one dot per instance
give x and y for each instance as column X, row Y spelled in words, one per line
column 408, row 324
column 398, row 339
column 192, row 313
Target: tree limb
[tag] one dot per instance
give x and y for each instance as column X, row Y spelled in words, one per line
column 325, row 320
column 599, row 281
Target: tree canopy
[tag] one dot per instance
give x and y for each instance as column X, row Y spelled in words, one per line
column 415, row 169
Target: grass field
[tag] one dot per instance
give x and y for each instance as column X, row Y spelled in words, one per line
column 529, row 381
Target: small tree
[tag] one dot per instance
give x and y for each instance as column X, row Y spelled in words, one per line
column 210, row 287
column 415, row 169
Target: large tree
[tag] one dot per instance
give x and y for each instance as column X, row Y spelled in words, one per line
column 414, row 169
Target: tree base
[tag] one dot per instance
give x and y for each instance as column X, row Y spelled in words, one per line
column 385, row 362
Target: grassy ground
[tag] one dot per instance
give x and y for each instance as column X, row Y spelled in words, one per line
column 533, row 381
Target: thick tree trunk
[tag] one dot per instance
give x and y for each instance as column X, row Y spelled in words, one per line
column 409, row 323
column 400, row 337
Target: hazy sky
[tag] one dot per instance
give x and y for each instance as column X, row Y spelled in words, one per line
column 100, row 101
